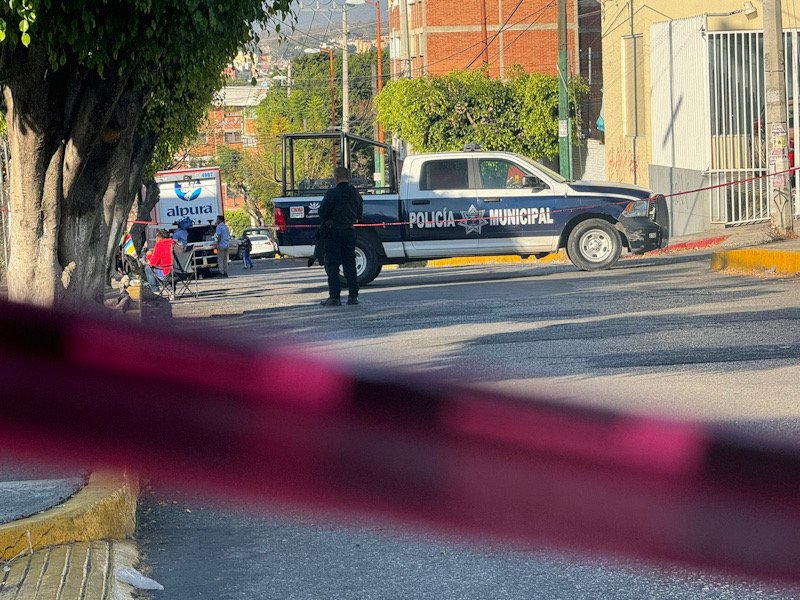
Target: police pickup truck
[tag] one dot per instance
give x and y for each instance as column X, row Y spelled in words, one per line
column 472, row 203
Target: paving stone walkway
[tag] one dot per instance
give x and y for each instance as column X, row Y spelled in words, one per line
column 78, row 571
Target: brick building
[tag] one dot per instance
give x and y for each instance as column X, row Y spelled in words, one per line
column 231, row 122
column 446, row 35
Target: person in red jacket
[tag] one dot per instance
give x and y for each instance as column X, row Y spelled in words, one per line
column 159, row 261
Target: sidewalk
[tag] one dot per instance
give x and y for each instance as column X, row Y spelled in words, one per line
column 78, row 571
column 57, row 553
column 29, row 489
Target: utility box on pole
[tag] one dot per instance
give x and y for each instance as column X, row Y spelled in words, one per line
column 777, row 131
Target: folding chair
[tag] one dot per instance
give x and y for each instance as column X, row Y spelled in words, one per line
column 163, row 287
column 183, row 273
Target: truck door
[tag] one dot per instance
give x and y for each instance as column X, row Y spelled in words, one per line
column 521, row 213
column 442, row 211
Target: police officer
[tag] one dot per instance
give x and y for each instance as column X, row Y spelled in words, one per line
column 342, row 207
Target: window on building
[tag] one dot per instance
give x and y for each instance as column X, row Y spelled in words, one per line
column 233, row 137
column 633, row 84
column 445, row 175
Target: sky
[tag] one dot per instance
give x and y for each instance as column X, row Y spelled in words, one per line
column 315, row 17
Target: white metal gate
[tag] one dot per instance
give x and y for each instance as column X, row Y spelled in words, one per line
column 738, row 127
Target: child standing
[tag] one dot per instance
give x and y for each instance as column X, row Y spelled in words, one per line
column 247, row 247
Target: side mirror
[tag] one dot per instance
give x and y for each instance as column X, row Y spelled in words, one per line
column 534, row 183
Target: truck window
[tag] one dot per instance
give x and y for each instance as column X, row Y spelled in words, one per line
column 502, row 174
column 449, row 174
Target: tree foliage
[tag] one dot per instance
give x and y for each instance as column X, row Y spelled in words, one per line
column 94, row 92
column 437, row 114
column 237, row 221
column 307, row 107
column 146, row 43
column 242, row 174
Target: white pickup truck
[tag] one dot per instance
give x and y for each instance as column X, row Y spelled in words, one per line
column 476, row 203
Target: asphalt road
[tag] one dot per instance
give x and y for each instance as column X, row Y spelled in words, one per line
column 661, row 335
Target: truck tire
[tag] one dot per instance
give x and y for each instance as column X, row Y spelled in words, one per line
column 368, row 266
column 594, row 245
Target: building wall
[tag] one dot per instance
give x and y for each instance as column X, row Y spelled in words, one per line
column 589, row 161
column 629, row 154
column 688, row 213
column 446, row 35
column 233, row 126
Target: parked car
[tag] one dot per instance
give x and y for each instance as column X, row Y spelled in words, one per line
column 264, row 245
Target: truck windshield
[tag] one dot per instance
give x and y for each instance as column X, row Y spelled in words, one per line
column 541, row 168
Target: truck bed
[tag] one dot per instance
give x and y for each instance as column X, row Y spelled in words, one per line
column 301, row 216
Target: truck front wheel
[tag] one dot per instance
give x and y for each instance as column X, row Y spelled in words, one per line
column 368, row 266
column 594, row 245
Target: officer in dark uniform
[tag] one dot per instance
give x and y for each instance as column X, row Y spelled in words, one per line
column 342, row 207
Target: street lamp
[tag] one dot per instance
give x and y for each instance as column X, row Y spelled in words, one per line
column 329, row 52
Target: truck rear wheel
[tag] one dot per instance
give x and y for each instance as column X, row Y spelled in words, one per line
column 368, row 266
column 594, row 245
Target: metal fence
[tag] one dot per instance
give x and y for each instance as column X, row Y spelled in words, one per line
column 738, row 124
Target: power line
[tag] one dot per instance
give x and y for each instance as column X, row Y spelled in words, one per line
column 497, row 33
column 527, row 29
column 538, row 11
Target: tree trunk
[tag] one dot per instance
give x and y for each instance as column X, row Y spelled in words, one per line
column 36, row 177
column 143, row 212
column 252, row 208
column 123, row 195
column 71, row 144
column 97, row 205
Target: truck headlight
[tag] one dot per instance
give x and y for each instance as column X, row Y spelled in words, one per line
column 639, row 208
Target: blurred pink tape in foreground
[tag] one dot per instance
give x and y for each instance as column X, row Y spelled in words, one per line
column 296, row 433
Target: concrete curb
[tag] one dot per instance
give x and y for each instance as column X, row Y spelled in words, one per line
column 757, row 260
column 104, row 509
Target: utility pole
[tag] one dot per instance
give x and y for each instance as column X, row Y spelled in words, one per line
column 405, row 42
column 484, row 33
column 345, row 75
column 500, row 40
column 777, row 133
column 289, row 80
column 380, row 58
column 379, row 86
column 564, row 123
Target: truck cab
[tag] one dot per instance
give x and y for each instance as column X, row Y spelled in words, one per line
column 479, row 203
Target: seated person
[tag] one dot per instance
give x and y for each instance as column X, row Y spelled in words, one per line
column 181, row 235
column 159, row 261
